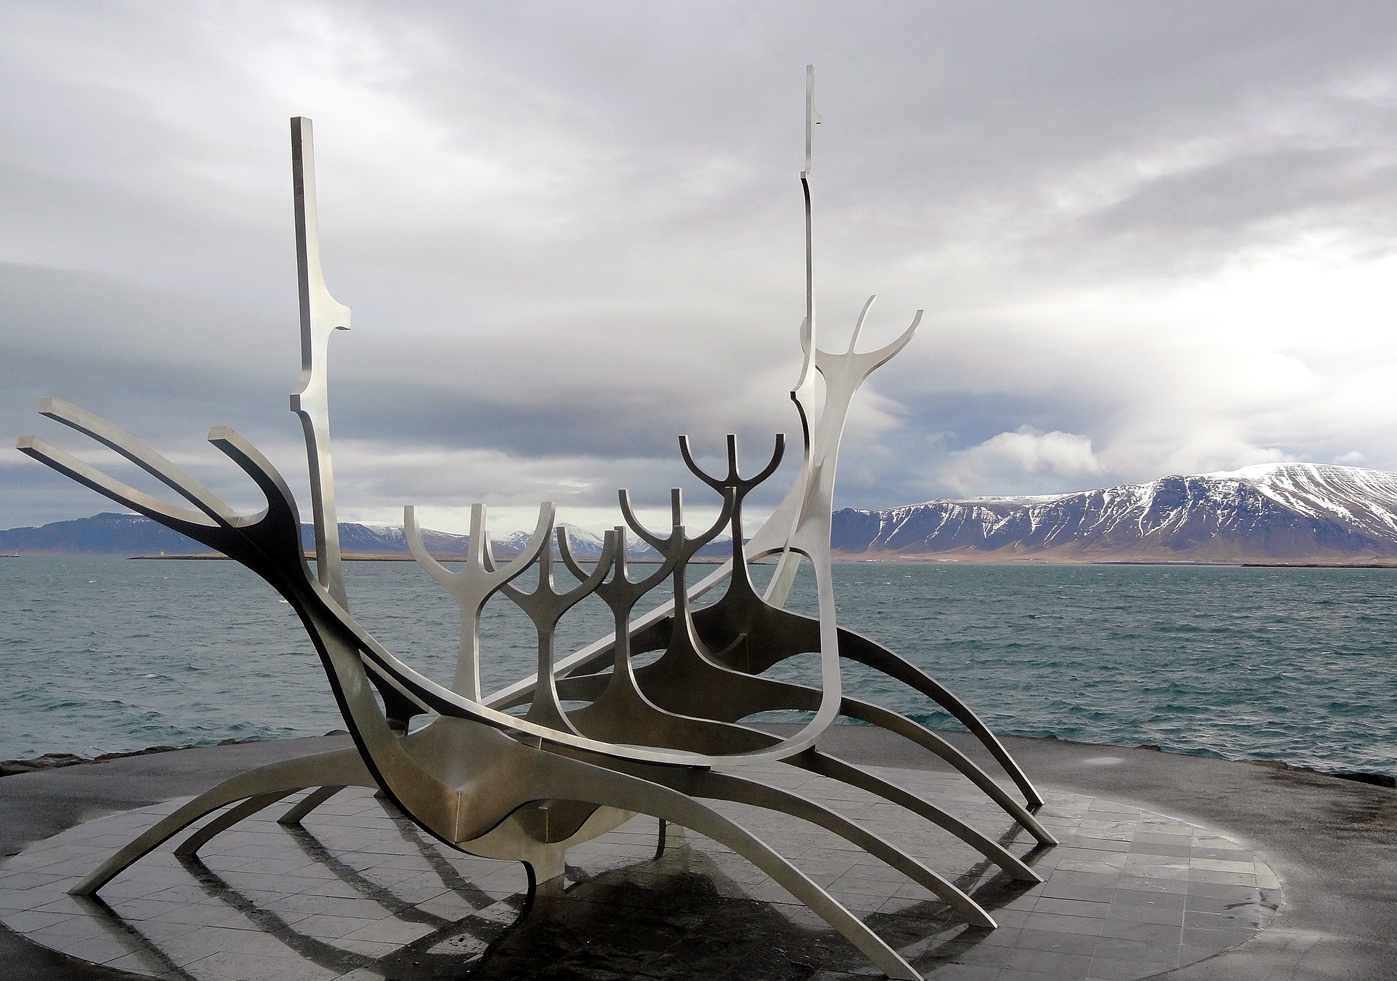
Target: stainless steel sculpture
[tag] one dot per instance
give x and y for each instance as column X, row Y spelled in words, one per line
column 658, row 739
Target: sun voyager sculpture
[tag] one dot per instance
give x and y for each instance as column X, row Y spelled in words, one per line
column 658, row 739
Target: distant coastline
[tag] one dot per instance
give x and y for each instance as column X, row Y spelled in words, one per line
column 362, row 557
column 891, row 558
column 1284, row 515
column 982, row 558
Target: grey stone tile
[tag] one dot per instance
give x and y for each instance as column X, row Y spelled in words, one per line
column 1141, row 883
column 1143, row 953
column 391, row 931
column 985, row 955
column 225, row 941
column 1238, row 919
column 99, row 950
column 227, row 966
column 1047, row 965
column 967, row 972
column 28, row 921
column 1070, row 907
column 1076, row 943
column 1122, row 969
column 1157, row 935
column 1102, row 892
column 1147, row 914
column 1219, row 877
column 1214, row 939
column 21, row 881
column 1056, row 923
column 1081, row 865
column 1100, row 843
column 1148, row 898
column 68, row 930
column 327, row 926
column 1230, row 890
column 142, row 963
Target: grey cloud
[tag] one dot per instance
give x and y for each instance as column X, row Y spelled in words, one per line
column 1235, row 195
column 570, row 232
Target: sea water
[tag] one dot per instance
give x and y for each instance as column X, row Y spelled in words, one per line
column 1297, row 665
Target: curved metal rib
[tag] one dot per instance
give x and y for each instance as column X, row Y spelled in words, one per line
column 929, row 740
column 677, row 808
column 742, row 602
column 826, row 765
column 753, row 635
column 726, row 786
column 721, row 785
column 297, row 814
column 180, row 519
column 859, row 648
column 342, row 767
column 684, row 680
column 836, row 769
column 234, row 815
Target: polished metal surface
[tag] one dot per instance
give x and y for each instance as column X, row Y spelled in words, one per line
column 660, row 739
column 321, row 316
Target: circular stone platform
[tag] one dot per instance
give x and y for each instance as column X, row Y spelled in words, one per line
column 359, row 892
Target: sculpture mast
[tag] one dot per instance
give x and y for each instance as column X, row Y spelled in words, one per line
column 783, row 578
column 321, row 315
column 805, row 386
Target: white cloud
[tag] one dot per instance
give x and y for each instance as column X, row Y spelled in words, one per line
column 1021, row 462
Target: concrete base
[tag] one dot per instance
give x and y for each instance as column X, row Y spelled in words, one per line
column 1166, row 861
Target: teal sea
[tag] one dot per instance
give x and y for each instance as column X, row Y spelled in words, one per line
column 1297, row 665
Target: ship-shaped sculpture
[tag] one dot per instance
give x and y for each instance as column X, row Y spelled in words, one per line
column 660, row 739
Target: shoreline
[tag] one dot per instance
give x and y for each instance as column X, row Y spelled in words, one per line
column 365, row 557
column 54, row 761
column 939, row 558
column 845, row 558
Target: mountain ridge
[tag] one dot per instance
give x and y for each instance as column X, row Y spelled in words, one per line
column 1274, row 513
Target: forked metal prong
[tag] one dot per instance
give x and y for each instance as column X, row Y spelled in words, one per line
column 475, row 582
column 89, row 476
column 153, row 463
column 676, row 505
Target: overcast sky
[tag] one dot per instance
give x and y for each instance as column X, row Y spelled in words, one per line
column 1149, row 238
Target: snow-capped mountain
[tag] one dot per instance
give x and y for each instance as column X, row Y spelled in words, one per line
column 377, row 539
column 1289, row 512
column 582, row 544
